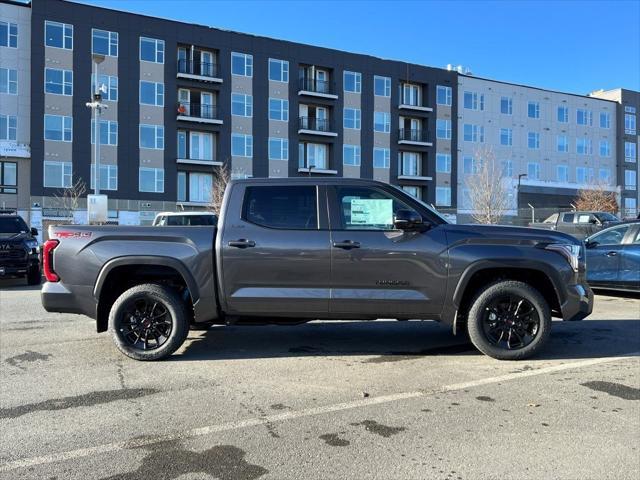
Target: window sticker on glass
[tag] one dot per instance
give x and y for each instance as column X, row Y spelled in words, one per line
column 371, row 212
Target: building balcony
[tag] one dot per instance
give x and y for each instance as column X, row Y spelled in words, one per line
column 199, row 161
column 316, row 88
column 198, row 113
column 414, row 107
column 315, row 126
column 203, row 71
column 411, row 136
column 413, row 177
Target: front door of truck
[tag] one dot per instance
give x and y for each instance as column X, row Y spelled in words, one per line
column 378, row 270
column 274, row 246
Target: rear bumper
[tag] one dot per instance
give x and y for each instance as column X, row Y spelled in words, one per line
column 57, row 297
column 579, row 302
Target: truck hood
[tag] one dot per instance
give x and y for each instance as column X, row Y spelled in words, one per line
column 14, row 236
column 506, row 234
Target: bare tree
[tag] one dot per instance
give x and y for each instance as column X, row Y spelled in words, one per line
column 487, row 190
column 597, row 198
column 68, row 199
column 220, row 180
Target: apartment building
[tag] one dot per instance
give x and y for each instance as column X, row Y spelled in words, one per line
column 548, row 144
column 15, row 61
column 184, row 100
column 628, row 140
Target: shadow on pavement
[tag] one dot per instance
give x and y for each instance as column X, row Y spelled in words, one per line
column 17, row 284
column 615, row 293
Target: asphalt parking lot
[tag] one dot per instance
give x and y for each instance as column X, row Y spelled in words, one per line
column 384, row 400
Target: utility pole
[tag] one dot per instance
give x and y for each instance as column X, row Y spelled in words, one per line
column 97, row 106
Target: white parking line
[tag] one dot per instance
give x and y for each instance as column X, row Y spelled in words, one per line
column 291, row 415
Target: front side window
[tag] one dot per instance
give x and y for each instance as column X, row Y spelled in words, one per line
column 278, row 70
column 533, row 140
column 612, row 236
column 8, row 35
column 151, row 180
column 563, row 114
column 506, row 105
column 584, row 117
column 278, row 149
column 381, row 86
column 352, row 82
column 151, row 50
column 382, row 122
column 533, row 110
column 58, row 35
column 443, row 95
column 365, row 208
column 351, row 155
column 57, row 174
column 241, row 105
column 443, row 129
column 111, row 86
column 279, row 109
column 58, row 128
column 443, row 196
column 443, row 163
column 108, row 132
column 506, row 136
column 242, row 64
column 8, row 177
column 108, row 177
column 282, row 207
column 381, row 157
column 241, row 145
column 104, row 42
column 629, row 124
column 58, row 82
column 605, row 120
column 152, row 137
column 8, row 127
column 352, row 118
column 533, row 171
column 8, row 81
column 630, row 152
column 152, row 93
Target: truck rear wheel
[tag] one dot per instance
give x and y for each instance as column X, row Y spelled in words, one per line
column 509, row 320
column 148, row 322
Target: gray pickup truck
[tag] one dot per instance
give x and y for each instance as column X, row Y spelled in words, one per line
column 295, row 250
column 578, row 224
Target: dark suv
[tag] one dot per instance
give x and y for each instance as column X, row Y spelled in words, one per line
column 19, row 249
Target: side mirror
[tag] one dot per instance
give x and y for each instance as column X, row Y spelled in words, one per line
column 590, row 244
column 594, row 221
column 407, row 220
column 34, row 232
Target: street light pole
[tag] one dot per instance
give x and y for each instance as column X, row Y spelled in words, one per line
column 518, row 195
column 97, row 106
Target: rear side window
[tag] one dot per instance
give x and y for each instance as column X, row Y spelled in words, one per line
column 292, row 207
column 568, row 218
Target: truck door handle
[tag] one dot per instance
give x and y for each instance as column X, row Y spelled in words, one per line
column 242, row 243
column 611, row 254
column 347, row 244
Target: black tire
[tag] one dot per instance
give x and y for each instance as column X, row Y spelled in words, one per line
column 489, row 320
column 152, row 332
column 33, row 276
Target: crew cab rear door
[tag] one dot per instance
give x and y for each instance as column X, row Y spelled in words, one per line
column 378, row 270
column 273, row 249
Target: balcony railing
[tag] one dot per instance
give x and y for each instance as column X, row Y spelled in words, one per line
column 197, row 110
column 315, row 85
column 316, row 124
column 413, row 135
column 203, row 69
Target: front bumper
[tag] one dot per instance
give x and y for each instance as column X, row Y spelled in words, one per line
column 579, row 303
column 17, row 268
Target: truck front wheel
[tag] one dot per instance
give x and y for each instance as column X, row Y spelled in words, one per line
column 148, row 322
column 509, row 320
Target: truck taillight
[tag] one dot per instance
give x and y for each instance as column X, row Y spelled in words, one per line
column 47, row 260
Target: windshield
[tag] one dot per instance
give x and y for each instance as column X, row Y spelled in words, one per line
column 13, row 225
column 606, row 217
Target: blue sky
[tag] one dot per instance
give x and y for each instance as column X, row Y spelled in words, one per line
column 573, row 46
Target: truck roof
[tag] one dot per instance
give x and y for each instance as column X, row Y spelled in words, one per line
column 314, row 180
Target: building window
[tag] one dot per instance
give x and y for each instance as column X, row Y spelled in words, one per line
column 108, row 177
column 381, row 86
column 382, row 122
column 630, row 206
column 533, row 110
column 443, row 196
column 506, row 105
column 533, row 171
column 278, row 70
column 410, row 94
column 352, row 82
column 584, row 175
column 108, row 132
column 605, row 120
column 200, row 187
column 152, row 93
column 409, row 164
column 473, row 133
column 381, row 157
column 8, row 127
column 111, row 85
column 57, row 174
column 104, row 42
column 241, row 105
column 151, row 180
column 58, row 82
column 242, row 64
column 604, row 174
column 8, row 35
column 8, row 81
column 151, row 50
column 630, row 153
column 201, row 146
column 506, row 136
column 182, row 144
column 8, row 177
column 605, row 149
column 351, row 155
column 562, row 173
column 314, row 155
column 278, row 109
column 352, row 118
column 182, row 186
column 562, row 145
column 278, row 149
column 629, row 124
column 473, row 101
column 584, row 117
column 630, row 179
column 629, row 109
column 58, row 128
column 152, row 136
column 583, row 146
column 507, row 168
column 470, row 165
column 443, row 129
column 563, row 114
column 58, row 35
column 443, row 95
column 443, row 163
column 241, row 145
column 533, row 140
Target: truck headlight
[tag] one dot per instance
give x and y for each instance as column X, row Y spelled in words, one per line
column 33, row 245
column 569, row 251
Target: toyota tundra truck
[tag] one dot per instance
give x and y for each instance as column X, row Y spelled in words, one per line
column 300, row 249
